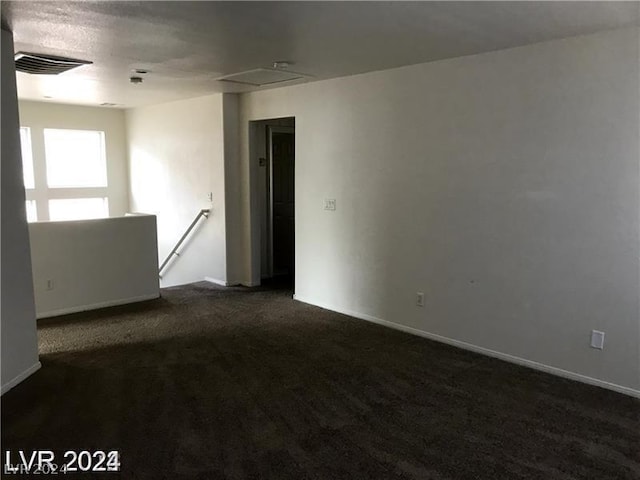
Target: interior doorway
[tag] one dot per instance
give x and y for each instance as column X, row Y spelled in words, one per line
column 282, row 200
column 273, row 143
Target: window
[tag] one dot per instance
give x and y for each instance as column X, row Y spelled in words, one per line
column 78, row 208
column 75, row 158
column 71, row 176
column 32, row 211
column 27, row 158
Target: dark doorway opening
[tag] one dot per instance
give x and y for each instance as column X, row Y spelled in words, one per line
column 272, row 148
column 282, row 188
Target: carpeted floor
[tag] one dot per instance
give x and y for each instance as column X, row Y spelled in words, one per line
column 236, row 383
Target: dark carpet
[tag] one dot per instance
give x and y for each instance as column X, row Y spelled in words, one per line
column 236, row 383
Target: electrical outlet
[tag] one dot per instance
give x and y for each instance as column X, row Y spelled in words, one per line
column 420, row 299
column 597, row 339
column 210, row 196
column 330, row 204
column 49, row 284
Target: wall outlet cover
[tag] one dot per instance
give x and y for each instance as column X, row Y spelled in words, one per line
column 420, row 299
column 597, row 339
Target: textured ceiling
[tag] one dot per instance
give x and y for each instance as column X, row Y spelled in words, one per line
column 186, row 46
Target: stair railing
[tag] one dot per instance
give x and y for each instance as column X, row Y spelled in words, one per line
column 202, row 213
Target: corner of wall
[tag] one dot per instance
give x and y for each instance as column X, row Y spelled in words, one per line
column 18, row 317
column 233, row 187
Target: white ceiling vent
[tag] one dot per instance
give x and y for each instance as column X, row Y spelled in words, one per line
column 262, row 76
column 40, row 64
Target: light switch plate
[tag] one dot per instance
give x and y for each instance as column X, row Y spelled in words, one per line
column 330, row 204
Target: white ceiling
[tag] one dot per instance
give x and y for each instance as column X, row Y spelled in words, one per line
column 188, row 45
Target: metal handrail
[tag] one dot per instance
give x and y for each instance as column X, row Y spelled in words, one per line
column 202, row 213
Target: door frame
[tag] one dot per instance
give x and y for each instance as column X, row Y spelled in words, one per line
column 271, row 129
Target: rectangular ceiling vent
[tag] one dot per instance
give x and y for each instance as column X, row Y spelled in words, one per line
column 40, row 64
column 262, row 76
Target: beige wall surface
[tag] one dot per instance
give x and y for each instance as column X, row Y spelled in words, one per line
column 17, row 312
column 505, row 186
column 87, row 264
column 176, row 159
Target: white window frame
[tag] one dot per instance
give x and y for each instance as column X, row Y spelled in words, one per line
column 42, row 193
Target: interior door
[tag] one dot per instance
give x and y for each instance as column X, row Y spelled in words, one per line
column 282, row 194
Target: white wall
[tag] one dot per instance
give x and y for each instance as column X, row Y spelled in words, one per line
column 503, row 185
column 19, row 356
column 93, row 263
column 176, row 159
column 40, row 115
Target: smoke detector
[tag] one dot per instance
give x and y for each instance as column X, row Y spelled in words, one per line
column 41, row 64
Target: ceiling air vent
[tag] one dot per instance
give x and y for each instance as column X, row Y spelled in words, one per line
column 262, row 76
column 39, row 64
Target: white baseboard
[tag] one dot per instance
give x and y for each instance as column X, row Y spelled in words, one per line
column 475, row 348
column 228, row 284
column 20, row 377
column 95, row 306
